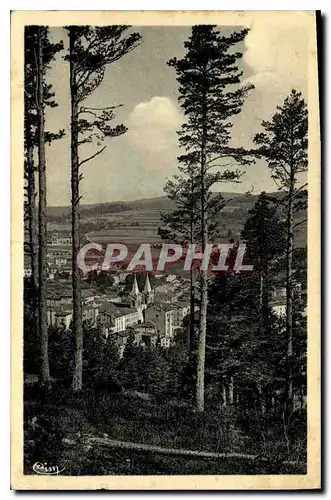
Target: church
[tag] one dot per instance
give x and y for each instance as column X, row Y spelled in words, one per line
column 139, row 300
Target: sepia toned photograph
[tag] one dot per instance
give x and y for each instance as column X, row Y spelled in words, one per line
column 165, row 306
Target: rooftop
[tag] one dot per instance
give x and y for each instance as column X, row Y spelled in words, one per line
column 61, row 232
column 112, row 310
column 58, row 248
column 147, row 324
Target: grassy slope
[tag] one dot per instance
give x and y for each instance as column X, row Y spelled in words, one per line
column 70, row 418
column 146, row 214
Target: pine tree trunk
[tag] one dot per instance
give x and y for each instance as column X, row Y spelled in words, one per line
column 231, row 389
column 32, row 215
column 224, row 397
column 261, row 292
column 190, row 339
column 76, row 290
column 265, row 298
column 200, row 385
column 261, row 404
column 267, row 399
column 289, row 294
column 262, row 304
column 33, row 231
column 202, row 344
column 192, row 298
column 264, row 290
column 43, row 330
column 274, row 405
column 301, row 399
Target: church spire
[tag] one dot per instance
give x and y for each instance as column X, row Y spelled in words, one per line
column 135, row 289
column 148, row 287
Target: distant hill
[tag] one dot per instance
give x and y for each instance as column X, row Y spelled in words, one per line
column 93, row 209
column 161, row 203
column 138, row 220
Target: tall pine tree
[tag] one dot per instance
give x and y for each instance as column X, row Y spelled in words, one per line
column 264, row 235
column 183, row 224
column 206, row 74
column 284, row 145
column 91, row 50
column 39, row 52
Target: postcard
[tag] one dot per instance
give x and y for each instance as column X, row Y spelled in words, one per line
column 165, row 250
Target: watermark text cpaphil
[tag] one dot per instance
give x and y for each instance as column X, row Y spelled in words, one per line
column 145, row 257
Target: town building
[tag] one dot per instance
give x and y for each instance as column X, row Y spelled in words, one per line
column 61, row 317
column 58, row 297
column 278, row 295
column 61, row 238
column 167, row 317
column 116, row 319
column 136, row 313
column 181, row 310
column 27, row 267
column 162, row 315
column 59, row 254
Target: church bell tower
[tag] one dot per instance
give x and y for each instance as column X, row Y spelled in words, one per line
column 148, row 292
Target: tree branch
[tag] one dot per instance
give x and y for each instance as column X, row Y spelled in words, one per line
column 299, row 223
column 91, row 157
column 219, row 165
column 104, row 443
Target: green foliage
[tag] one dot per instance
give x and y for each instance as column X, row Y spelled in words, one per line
column 30, row 81
column 131, row 365
column 42, row 436
column 265, row 237
column 93, row 354
column 238, row 345
column 61, row 346
column 110, row 360
column 205, row 75
column 101, row 281
column 155, row 372
column 177, row 358
column 264, row 233
column 31, row 344
column 92, row 49
column 284, row 143
column 183, row 223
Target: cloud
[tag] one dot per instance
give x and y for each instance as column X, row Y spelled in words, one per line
column 152, row 130
column 276, row 60
column 277, row 53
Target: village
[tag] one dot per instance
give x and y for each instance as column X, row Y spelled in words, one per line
column 154, row 315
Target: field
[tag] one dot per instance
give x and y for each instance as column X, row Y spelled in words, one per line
column 138, row 221
column 127, row 229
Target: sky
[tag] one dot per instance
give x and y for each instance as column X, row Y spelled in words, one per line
column 137, row 164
